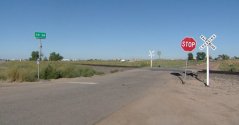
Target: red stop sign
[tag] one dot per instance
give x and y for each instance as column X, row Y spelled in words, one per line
column 188, row 44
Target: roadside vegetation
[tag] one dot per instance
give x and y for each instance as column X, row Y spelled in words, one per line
column 15, row 71
column 27, row 71
column 229, row 65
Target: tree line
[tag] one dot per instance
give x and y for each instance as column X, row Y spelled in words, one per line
column 202, row 56
column 52, row 57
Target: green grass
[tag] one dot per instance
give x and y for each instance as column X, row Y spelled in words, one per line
column 143, row 63
column 27, row 71
column 114, row 63
column 229, row 65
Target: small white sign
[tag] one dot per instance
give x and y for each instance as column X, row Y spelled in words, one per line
column 38, row 61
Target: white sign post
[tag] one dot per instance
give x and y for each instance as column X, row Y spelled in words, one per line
column 208, row 43
column 151, row 54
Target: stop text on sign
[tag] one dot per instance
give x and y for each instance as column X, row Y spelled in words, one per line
column 188, row 44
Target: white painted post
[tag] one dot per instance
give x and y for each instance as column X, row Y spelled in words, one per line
column 151, row 54
column 207, row 65
column 151, row 64
column 208, row 43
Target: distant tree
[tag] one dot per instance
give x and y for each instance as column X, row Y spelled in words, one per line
column 34, row 56
column 55, row 56
column 159, row 54
column 190, row 56
column 223, row 57
column 201, row 55
column 236, row 57
column 45, row 59
column 210, row 57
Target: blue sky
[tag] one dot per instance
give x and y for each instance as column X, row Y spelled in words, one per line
column 109, row 29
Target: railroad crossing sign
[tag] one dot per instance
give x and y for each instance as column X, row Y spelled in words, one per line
column 188, row 44
column 208, row 42
column 151, row 54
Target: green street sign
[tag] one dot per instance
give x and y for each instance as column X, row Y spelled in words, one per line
column 40, row 35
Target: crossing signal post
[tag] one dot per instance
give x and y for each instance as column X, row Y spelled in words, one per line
column 151, row 54
column 208, row 43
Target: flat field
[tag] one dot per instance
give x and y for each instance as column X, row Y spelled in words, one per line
column 15, row 71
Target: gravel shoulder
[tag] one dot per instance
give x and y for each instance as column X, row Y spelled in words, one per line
column 175, row 103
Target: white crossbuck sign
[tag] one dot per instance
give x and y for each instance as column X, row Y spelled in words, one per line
column 208, row 42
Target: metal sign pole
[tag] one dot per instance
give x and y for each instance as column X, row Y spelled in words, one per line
column 185, row 75
column 39, row 59
column 39, row 35
column 38, row 74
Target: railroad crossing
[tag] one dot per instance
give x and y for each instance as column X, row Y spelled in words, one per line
column 208, row 43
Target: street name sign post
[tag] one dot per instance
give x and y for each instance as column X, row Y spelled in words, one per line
column 188, row 44
column 40, row 36
column 208, row 43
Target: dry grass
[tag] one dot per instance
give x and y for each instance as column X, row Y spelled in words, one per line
column 27, row 71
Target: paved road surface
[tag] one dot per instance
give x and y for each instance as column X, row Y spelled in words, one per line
column 82, row 101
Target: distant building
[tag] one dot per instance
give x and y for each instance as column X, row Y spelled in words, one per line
column 66, row 60
column 122, row 60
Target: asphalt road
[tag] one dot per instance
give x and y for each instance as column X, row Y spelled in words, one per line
column 82, row 101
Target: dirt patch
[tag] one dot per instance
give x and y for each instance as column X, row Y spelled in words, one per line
column 213, row 66
column 183, row 104
column 107, row 70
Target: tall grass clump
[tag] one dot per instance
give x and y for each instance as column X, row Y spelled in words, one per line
column 2, row 76
column 21, row 72
column 55, row 70
column 229, row 65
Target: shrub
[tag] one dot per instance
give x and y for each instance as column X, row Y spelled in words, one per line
column 143, row 64
column 87, row 72
column 50, row 72
column 201, row 55
column 190, row 56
